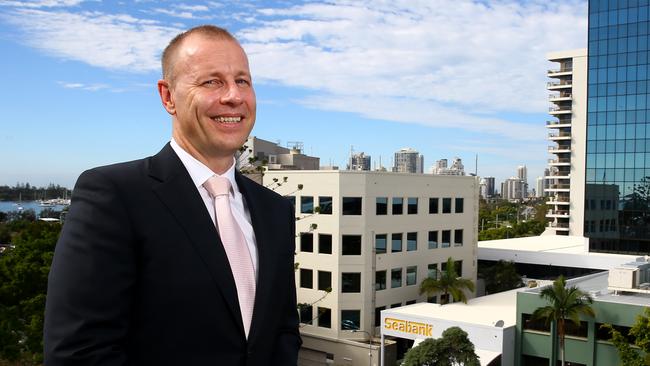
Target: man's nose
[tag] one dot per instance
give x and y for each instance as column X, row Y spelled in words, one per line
column 232, row 94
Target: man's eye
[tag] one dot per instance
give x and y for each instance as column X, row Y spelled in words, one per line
column 243, row 82
column 211, row 82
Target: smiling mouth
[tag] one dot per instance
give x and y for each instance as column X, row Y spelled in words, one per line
column 222, row 119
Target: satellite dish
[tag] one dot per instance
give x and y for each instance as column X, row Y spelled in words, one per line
column 499, row 324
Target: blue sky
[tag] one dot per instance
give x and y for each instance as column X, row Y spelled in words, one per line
column 447, row 78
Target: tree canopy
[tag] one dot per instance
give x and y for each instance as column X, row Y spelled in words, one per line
column 453, row 348
column 640, row 332
column 447, row 283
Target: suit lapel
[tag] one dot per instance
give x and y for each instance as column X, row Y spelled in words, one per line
column 261, row 218
column 177, row 191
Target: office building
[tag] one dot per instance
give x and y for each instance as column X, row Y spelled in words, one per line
column 539, row 187
column 372, row 237
column 567, row 133
column 441, row 168
column 359, row 161
column 487, row 187
column 408, row 160
column 271, row 156
column 616, row 302
column 618, row 128
column 512, row 189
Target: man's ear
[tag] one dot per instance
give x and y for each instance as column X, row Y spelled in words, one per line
column 166, row 97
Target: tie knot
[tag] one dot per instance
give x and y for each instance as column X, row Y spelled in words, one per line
column 217, row 186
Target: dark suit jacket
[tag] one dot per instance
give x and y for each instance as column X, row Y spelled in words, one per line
column 140, row 276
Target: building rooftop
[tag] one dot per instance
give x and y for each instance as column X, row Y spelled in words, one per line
column 554, row 250
column 596, row 285
column 485, row 310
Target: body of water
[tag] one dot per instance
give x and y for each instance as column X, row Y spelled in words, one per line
column 7, row 206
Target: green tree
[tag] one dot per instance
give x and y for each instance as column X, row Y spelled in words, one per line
column 23, row 283
column 565, row 303
column 640, row 331
column 502, row 276
column 453, row 348
column 447, row 283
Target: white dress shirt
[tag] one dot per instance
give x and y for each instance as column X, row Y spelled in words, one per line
column 201, row 173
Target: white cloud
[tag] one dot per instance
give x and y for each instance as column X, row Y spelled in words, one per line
column 87, row 87
column 41, row 3
column 196, row 8
column 445, row 63
column 111, row 41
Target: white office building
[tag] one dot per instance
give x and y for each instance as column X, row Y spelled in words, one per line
column 374, row 238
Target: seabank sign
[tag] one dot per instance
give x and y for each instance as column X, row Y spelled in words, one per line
column 412, row 328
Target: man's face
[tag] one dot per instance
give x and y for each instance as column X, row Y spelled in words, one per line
column 212, row 97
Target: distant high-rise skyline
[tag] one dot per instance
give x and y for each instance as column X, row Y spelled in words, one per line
column 441, row 167
column 408, row 160
column 359, row 161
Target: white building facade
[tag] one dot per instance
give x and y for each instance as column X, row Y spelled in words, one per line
column 375, row 237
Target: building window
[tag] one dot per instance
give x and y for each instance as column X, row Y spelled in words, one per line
column 351, row 282
column 459, row 205
column 396, row 305
column 574, row 330
column 396, row 243
column 535, row 324
column 398, row 205
column 396, row 278
column 306, row 204
column 432, row 270
column 432, row 299
column 324, row 317
column 350, row 319
column 410, row 302
column 412, row 208
column 380, row 243
column 433, row 239
column 458, row 266
column 411, row 275
column 380, row 280
column 446, row 205
column 446, row 238
column 325, row 205
column 351, row 205
column 307, row 242
column 306, row 313
column 381, row 206
column 325, row 243
column 458, row 238
column 325, row 281
column 433, row 205
column 602, row 334
column 351, row 245
column 306, row 278
column 411, row 242
column 378, row 315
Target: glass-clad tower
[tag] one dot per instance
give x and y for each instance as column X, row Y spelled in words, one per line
column 617, row 192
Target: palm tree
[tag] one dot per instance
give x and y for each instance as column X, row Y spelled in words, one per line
column 564, row 304
column 447, row 282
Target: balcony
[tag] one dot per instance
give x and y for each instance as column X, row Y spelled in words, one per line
column 559, row 97
column 556, row 85
column 559, row 162
column 558, row 124
column 561, row 71
column 559, row 149
column 554, row 136
column 563, row 226
column 556, row 109
column 558, row 213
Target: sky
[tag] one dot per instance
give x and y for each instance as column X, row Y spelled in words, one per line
column 449, row 78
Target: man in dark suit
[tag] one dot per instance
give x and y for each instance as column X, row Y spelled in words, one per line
column 142, row 273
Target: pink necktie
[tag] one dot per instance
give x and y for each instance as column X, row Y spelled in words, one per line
column 234, row 243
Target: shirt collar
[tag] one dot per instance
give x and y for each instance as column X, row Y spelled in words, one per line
column 199, row 172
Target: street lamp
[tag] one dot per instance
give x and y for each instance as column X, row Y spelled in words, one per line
column 369, row 343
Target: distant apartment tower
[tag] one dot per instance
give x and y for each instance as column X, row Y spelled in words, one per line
column 487, row 187
column 359, row 161
column 567, row 133
column 259, row 152
column 441, row 168
column 408, row 160
column 512, row 189
column 539, row 187
column 376, row 236
column 522, row 174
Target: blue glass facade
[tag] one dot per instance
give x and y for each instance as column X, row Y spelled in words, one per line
column 617, row 195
